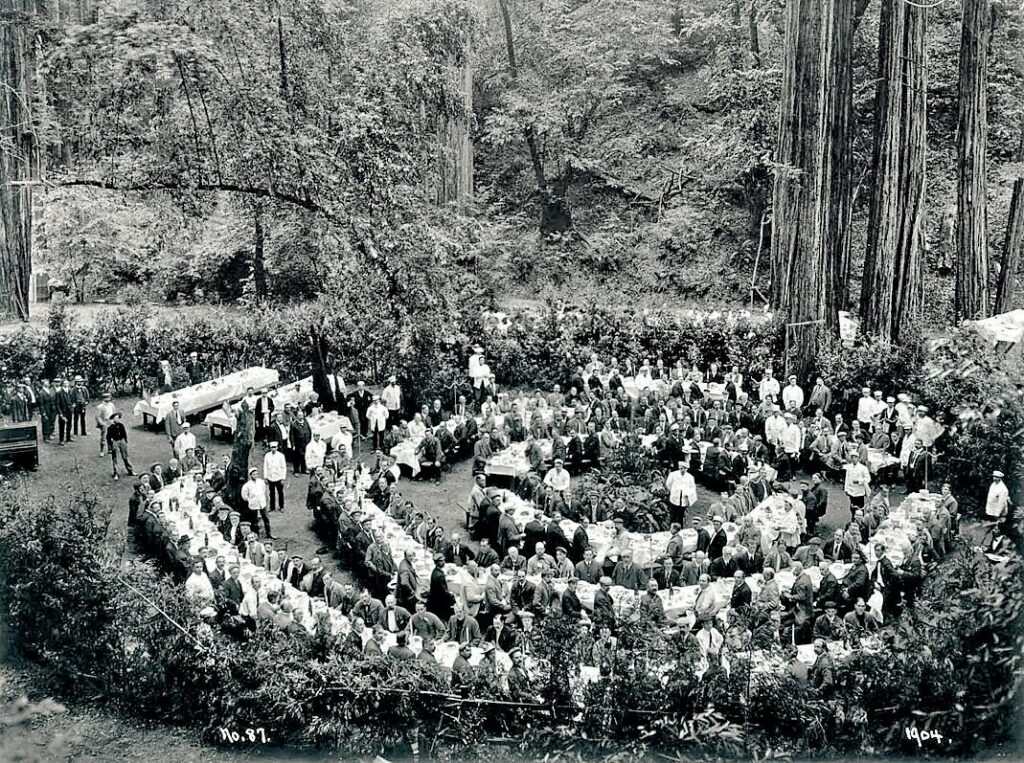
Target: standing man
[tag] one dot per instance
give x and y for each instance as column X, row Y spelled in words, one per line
column 275, row 469
column 478, row 373
column 821, row 396
column 173, row 423
column 81, row 401
column 104, row 410
column 391, row 396
column 858, row 482
column 865, row 408
column 792, row 394
column 362, row 399
column 682, row 492
column 377, row 417
column 301, row 435
column 65, row 412
column 997, row 503
column 184, row 441
column 254, row 493
column 116, row 437
column 47, row 410
column 264, row 410
column 193, row 370
column 316, row 451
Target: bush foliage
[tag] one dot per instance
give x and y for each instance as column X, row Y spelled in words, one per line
column 127, row 635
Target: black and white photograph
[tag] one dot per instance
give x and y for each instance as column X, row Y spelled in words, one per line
column 569, row 381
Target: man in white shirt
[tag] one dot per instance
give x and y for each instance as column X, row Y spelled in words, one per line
column 184, row 441
column 926, row 429
column 478, row 372
column 315, row 452
column 557, row 480
column 275, row 468
column 377, row 416
column 417, row 428
column 104, row 411
column 682, row 492
column 858, row 481
column 792, row 439
column 251, row 601
column 905, row 411
column 254, row 493
column 865, row 408
column 792, row 392
column 342, row 441
column 997, row 504
column 768, row 385
column 198, row 588
column 391, row 397
column 774, row 428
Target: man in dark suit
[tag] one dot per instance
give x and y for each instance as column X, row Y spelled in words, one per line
column 665, row 574
column 219, row 574
column 456, row 552
column 301, row 435
column 718, row 539
column 703, row 536
column 368, row 609
column 857, row 584
column 395, row 618
column 65, row 403
column 571, row 606
column 830, row 589
column 604, row 606
column 521, row 592
column 280, row 433
column 741, row 593
column 232, row 589
column 362, row 400
column 837, row 550
column 828, row 626
column 439, row 598
column 554, row 537
column 174, row 422
column 589, row 570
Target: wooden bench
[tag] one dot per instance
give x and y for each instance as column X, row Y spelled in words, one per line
column 19, row 443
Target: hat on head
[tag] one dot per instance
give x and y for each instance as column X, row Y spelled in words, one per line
column 186, row 425
column 315, row 562
column 272, row 443
column 478, row 348
column 922, row 409
column 254, row 470
column 115, row 415
column 998, row 474
column 392, row 378
column 78, row 377
column 890, row 399
column 488, row 647
column 185, row 539
column 829, row 605
column 815, row 541
column 717, row 518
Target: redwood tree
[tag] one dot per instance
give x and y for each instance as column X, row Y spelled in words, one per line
column 18, row 154
column 971, row 294
column 811, row 205
column 1013, row 244
column 891, row 288
column 238, row 469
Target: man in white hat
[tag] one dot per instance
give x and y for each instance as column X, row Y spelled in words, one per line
column 184, row 441
column 768, row 385
column 377, row 421
column 391, row 396
column 275, row 469
column 997, row 504
column 682, row 492
column 865, row 408
column 792, row 440
column 792, row 393
column 478, row 372
column 254, row 493
column 316, row 451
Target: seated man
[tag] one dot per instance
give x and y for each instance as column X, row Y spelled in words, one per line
column 430, row 457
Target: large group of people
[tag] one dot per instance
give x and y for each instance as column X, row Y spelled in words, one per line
column 739, row 438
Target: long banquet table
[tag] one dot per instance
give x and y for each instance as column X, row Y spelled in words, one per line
column 206, row 395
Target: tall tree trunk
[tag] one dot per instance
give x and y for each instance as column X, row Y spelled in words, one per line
column 259, row 263
column 555, row 213
column 238, row 470
column 1013, row 244
column 18, row 155
column 752, row 33
column 811, row 205
column 971, row 298
column 891, row 288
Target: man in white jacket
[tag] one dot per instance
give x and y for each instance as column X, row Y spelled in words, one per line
column 682, row 492
column 254, row 493
column 275, row 468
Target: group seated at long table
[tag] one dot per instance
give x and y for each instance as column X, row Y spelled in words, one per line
column 205, row 395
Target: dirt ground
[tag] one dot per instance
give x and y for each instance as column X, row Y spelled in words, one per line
column 89, row 734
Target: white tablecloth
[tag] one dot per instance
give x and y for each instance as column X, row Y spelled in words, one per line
column 208, row 394
column 297, row 393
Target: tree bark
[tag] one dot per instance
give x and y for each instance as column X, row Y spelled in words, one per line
column 892, row 284
column 238, row 470
column 259, row 263
column 752, row 33
column 19, row 157
column 1013, row 244
column 555, row 213
column 971, row 298
column 811, row 204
